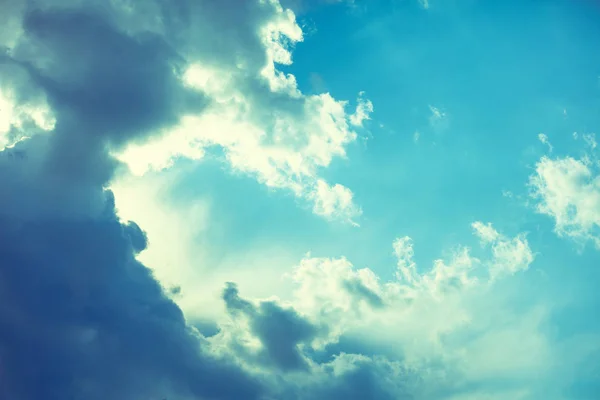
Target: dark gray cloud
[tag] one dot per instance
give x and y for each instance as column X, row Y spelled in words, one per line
column 119, row 86
column 365, row 382
column 280, row 330
column 348, row 369
column 80, row 318
column 357, row 377
column 106, row 88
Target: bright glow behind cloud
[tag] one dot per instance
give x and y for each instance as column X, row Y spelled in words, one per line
column 16, row 119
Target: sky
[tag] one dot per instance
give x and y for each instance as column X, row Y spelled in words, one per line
column 299, row 199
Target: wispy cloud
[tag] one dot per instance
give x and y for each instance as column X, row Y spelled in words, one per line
column 438, row 119
column 543, row 138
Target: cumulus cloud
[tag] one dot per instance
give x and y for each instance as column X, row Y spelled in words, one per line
column 403, row 249
column 403, row 338
column 332, row 290
column 279, row 330
column 568, row 190
column 80, row 316
column 16, row 119
column 334, row 201
column 266, row 127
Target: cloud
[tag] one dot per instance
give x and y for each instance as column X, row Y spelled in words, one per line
column 438, row 119
column 345, row 333
column 331, row 290
column 279, row 330
column 542, row 137
column 334, row 201
column 363, row 111
column 80, row 316
column 568, row 190
column 509, row 255
column 256, row 114
column 359, row 377
column 333, row 293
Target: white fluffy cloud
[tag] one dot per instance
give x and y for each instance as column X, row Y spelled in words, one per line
column 435, row 329
column 265, row 125
column 568, row 190
column 334, row 201
column 331, row 292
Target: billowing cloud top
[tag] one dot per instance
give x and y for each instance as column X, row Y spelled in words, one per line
column 114, row 111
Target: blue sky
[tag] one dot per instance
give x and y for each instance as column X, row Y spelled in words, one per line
column 300, row 199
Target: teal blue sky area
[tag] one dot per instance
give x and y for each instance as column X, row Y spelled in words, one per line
column 501, row 74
